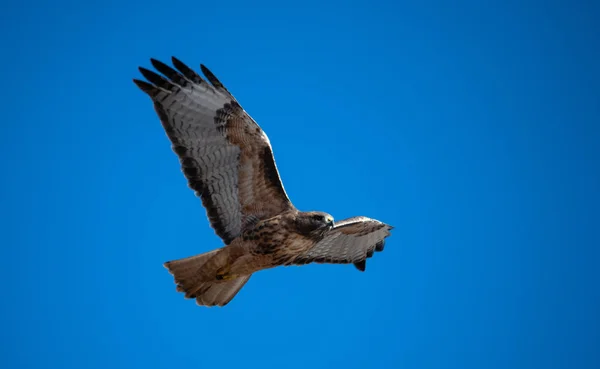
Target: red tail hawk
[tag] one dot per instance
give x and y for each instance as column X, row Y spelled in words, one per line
column 228, row 162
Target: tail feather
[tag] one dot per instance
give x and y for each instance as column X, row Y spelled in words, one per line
column 196, row 276
column 219, row 293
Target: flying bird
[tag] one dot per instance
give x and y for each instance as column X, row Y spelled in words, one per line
column 228, row 161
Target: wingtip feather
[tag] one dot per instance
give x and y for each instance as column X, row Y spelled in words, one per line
column 361, row 265
column 146, row 87
column 188, row 72
column 211, row 77
column 168, row 72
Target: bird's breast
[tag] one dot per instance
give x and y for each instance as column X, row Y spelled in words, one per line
column 275, row 237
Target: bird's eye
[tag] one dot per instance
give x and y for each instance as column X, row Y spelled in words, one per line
column 318, row 217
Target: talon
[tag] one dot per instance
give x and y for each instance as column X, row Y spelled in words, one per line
column 228, row 277
column 224, row 275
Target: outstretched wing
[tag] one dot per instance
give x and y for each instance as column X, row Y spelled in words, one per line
column 225, row 156
column 352, row 240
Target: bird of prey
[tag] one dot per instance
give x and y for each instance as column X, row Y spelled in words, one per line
column 228, row 161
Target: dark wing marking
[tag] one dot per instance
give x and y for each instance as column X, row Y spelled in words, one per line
column 352, row 240
column 225, row 156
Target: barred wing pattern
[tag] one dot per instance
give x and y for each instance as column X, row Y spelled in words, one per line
column 225, row 156
column 352, row 240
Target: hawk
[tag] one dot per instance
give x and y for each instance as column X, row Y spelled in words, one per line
column 228, row 161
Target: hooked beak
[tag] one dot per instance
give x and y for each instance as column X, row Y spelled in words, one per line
column 331, row 224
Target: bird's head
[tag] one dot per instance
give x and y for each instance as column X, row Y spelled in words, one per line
column 312, row 222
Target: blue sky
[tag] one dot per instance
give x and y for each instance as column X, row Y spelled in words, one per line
column 472, row 128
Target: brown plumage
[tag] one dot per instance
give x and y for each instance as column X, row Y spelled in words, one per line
column 228, row 161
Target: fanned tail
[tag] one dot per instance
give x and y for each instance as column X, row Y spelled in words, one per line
column 196, row 276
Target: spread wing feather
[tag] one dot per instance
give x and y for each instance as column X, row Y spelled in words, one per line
column 352, row 240
column 225, row 156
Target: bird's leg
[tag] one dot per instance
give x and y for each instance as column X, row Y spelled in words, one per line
column 225, row 276
column 224, row 273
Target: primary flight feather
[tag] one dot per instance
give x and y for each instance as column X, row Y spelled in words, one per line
column 228, row 162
